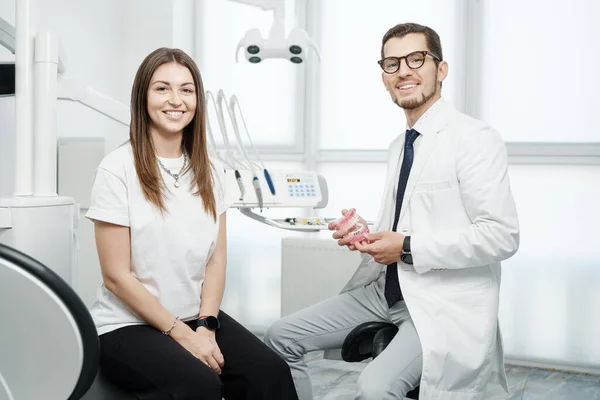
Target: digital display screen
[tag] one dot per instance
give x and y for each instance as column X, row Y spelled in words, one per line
column 7, row 79
column 293, row 180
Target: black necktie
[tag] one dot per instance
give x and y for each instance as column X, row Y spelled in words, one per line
column 392, row 286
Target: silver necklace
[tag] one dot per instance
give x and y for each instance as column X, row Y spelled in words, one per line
column 177, row 175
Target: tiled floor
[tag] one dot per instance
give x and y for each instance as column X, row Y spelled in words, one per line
column 336, row 380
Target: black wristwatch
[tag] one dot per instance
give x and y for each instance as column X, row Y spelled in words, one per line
column 406, row 256
column 211, row 323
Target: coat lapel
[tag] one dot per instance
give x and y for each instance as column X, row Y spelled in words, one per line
column 386, row 216
column 427, row 145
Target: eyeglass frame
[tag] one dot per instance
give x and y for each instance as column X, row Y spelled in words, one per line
column 425, row 53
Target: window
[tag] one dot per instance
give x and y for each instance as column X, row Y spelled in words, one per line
column 539, row 70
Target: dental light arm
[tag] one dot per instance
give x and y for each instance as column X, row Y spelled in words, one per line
column 69, row 89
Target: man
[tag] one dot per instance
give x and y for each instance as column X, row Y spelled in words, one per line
column 432, row 265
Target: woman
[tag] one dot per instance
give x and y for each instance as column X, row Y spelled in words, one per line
column 158, row 206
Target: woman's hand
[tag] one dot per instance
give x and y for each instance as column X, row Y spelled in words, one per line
column 202, row 345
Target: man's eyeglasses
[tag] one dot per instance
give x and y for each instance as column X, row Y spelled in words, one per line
column 414, row 60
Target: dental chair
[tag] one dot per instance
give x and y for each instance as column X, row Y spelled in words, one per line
column 368, row 340
column 49, row 346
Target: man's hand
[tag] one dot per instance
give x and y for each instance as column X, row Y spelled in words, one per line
column 384, row 247
column 339, row 235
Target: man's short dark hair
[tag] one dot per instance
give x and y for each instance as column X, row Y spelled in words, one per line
column 432, row 38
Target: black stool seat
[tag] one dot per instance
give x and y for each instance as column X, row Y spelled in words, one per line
column 360, row 342
column 368, row 340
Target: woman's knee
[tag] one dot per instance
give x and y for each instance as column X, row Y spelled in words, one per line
column 270, row 374
column 274, row 365
column 193, row 386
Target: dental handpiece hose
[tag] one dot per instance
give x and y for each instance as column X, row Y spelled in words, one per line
column 258, row 191
column 238, row 178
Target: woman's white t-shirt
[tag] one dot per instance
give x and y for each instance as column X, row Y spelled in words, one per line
column 168, row 253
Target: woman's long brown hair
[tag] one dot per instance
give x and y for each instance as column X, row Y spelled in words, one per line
column 194, row 134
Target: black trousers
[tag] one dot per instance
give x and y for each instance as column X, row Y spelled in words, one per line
column 152, row 366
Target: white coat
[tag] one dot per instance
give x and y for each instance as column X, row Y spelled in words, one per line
column 459, row 211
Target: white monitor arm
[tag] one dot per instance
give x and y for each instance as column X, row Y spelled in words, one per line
column 70, row 89
column 7, row 35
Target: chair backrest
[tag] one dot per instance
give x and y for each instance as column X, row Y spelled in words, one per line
column 49, row 346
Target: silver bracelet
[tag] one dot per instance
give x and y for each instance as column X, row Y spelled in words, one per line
column 168, row 333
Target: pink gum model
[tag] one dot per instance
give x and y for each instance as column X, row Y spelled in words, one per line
column 350, row 223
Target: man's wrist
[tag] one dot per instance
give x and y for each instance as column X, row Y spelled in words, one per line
column 406, row 256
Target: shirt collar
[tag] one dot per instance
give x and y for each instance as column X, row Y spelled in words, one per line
column 423, row 124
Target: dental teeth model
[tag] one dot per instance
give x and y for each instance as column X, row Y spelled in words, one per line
column 354, row 225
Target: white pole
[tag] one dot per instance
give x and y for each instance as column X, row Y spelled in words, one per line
column 183, row 26
column 45, row 147
column 24, row 40
column 460, row 66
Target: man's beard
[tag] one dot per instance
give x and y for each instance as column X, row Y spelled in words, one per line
column 412, row 104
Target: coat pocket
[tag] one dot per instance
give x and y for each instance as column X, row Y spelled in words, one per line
column 432, row 186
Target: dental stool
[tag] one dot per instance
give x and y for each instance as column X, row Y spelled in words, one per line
column 368, row 340
column 48, row 341
column 49, row 346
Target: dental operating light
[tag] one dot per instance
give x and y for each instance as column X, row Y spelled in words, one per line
column 293, row 47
